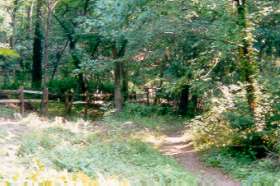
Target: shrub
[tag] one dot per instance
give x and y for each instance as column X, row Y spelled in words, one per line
column 105, row 86
column 147, row 110
column 233, row 128
column 62, row 85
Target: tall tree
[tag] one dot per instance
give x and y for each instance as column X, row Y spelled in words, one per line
column 248, row 63
column 37, row 48
column 13, row 23
column 119, row 74
column 50, row 7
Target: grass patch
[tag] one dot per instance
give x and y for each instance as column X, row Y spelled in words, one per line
column 58, row 109
column 6, row 112
column 107, row 154
column 46, row 139
column 150, row 116
column 132, row 160
column 243, row 167
column 153, row 122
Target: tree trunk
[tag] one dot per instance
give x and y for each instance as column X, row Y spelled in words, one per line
column 30, row 18
column 21, row 98
column 86, row 7
column 118, row 98
column 13, row 24
column 37, row 50
column 124, row 81
column 184, row 100
column 118, row 75
column 44, row 104
column 249, row 65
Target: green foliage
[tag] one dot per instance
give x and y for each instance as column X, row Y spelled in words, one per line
column 240, row 118
column 171, row 44
column 6, row 112
column 134, row 160
column 104, row 86
column 95, row 154
column 243, row 167
column 47, row 139
column 147, row 110
column 240, row 121
column 11, row 86
column 8, row 53
column 154, row 117
column 61, row 86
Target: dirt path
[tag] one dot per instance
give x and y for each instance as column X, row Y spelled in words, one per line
column 180, row 147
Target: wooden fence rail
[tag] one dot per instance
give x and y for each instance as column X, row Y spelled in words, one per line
column 24, row 91
column 21, row 100
column 3, row 101
column 89, row 99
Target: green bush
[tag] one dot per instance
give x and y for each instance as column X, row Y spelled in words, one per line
column 240, row 121
column 241, row 166
column 11, row 86
column 60, row 86
column 105, row 86
column 147, row 110
column 246, row 139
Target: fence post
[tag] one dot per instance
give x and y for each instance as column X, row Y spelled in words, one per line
column 21, row 99
column 147, row 95
column 68, row 101
column 133, row 97
column 45, row 100
column 87, row 104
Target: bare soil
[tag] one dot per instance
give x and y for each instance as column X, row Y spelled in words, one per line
column 181, row 148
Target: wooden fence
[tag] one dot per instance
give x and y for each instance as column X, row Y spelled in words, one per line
column 149, row 96
column 20, row 94
column 88, row 99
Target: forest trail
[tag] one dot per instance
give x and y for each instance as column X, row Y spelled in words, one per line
column 10, row 140
column 180, row 147
column 176, row 145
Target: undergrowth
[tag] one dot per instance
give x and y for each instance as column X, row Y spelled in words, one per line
column 243, row 167
column 6, row 112
column 110, row 156
column 150, row 116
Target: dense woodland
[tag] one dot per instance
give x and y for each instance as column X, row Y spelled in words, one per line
column 212, row 65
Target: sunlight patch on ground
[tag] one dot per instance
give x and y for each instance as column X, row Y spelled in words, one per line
column 80, row 126
column 169, row 145
column 150, row 137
